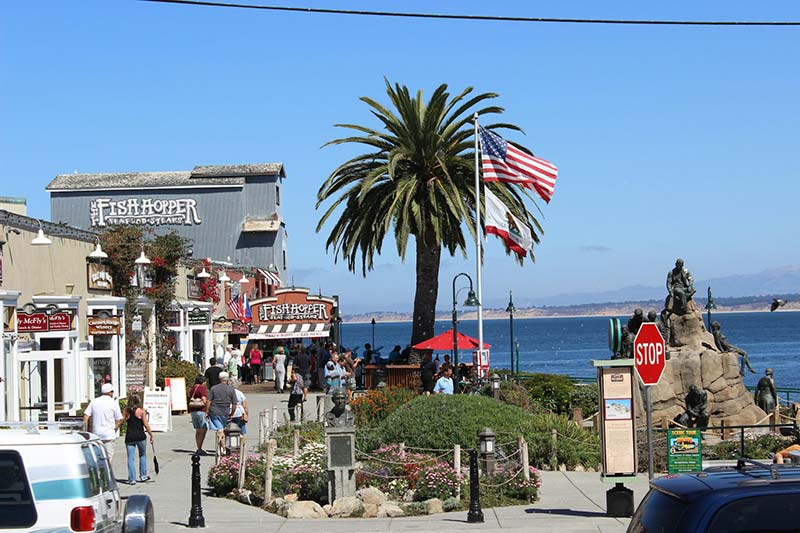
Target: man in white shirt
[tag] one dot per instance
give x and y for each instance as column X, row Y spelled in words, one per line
column 227, row 357
column 106, row 417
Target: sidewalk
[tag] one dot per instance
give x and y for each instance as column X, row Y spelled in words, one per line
column 569, row 501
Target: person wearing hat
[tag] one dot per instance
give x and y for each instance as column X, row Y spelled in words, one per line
column 106, row 417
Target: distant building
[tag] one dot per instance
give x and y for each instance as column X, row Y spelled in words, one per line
column 231, row 213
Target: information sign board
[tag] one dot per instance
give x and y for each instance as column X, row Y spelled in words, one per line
column 685, row 450
column 177, row 388
column 157, row 405
column 618, row 435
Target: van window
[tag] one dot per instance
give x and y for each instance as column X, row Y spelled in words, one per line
column 106, row 476
column 95, row 482
column 17, row 509
column 774, row 512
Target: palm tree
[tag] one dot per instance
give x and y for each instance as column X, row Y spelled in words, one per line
column 417, row 181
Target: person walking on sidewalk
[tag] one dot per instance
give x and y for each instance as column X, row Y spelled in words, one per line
column 135, row 438
column 222, row 403
column 106, row 418
column 279, row 363
column 240, row 411
column 296, row 396
column 198, row 412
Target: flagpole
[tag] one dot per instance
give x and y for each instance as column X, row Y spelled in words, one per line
column 478, row 241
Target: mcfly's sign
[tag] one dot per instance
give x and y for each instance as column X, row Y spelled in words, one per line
column 143, row 212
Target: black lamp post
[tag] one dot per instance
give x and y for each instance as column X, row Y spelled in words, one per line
column 373, row 333
column 709, row 306
column 510, row 310
column 472, row 301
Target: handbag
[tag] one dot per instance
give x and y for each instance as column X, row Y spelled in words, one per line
column 196, row 403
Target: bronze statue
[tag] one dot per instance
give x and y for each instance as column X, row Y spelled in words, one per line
column 340, row 414
column 680, row 286
column 626, row 344
column 661, row 324
column 696, row 414
column 724, row 346
column 766, row 396
column 635, row 321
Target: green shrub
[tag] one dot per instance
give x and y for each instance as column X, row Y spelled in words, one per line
column 585, row 397
column 514, row 394
column 551, row 391
column 371, row 408
column 439, row 480
column 440, row 421
column 759, row 447
column 172, row 367
column 311, row 432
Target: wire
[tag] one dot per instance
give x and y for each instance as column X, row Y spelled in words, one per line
column 495, row 18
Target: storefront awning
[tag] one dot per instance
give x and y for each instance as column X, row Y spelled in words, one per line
column 292, row 331
column 272, row 279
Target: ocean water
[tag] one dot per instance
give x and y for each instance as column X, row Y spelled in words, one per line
column 567, row 345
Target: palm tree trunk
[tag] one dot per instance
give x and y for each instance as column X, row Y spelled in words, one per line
column 428, row 258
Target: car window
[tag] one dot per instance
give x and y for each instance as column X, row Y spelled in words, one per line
column 17, row 508
column 95, row 477
column 773, row 512
column 658, row 513
column 106, row 477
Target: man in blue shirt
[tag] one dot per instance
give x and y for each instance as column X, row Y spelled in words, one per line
column 444, row 385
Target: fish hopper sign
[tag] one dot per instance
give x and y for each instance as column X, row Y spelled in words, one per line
column 292, row 313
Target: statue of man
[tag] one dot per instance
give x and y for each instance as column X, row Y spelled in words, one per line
column 723, row 345
column 680, row 286
column 696, row 414
column 340, row 414
column 661, row 324
column 766, row 396
column 635, row 321
column 626, row 344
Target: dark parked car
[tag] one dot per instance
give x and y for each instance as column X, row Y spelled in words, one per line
column 748, row 497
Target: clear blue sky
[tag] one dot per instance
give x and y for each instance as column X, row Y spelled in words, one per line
column 671, row 141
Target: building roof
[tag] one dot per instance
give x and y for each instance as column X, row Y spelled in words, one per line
column 51, row 229
column 200, row 176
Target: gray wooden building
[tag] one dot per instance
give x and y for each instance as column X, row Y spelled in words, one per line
column 230, row 212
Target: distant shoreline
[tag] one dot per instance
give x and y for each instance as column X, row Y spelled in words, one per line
column 502, row 315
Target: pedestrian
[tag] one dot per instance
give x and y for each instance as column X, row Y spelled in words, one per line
column 228, row 354
column 368, row 352
column 212, row 373
column 135, row 438
column 427, row 369
column 297, row 392
column 198, row 410
column 444, row 385
column 222, row 402
column 233, row 367
column 106, row 418
column 239, row 357
column 255, row 362
column 240, row 413
column 333, row 374
column 323, row 356
column 302, row 363
column 394, row 355
column 350, row 366
column 279, row 364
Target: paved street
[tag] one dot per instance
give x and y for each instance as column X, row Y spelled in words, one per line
column 570, row 501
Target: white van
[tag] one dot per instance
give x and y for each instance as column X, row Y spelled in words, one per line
column 56, row 478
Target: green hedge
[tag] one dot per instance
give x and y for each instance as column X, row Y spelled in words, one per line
column 440, row 421
column 172, row 367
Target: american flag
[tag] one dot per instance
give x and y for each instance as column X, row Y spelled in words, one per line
column 502, row 161
column 235, row 308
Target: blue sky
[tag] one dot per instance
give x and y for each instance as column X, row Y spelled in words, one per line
column 671, row 141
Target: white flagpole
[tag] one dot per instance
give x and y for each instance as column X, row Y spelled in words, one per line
column 478, row 239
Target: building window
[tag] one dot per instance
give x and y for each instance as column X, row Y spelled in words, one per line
column 277, row 195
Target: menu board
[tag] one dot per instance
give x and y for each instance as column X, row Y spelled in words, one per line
column 618, row 433
column 157, row 404
column 177, row 388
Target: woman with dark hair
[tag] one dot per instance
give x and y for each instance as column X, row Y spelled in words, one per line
column 427, row 369
column 198, row 410
column 135, row 438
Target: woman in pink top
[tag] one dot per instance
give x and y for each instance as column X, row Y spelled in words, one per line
column 255, row 363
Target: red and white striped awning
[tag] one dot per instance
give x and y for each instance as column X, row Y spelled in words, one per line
column 292, row 331
column 272, row 279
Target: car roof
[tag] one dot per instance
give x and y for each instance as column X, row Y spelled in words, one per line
column 21, row 437
column 692, row 485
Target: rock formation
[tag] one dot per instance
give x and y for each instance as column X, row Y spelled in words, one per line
column 694, row 360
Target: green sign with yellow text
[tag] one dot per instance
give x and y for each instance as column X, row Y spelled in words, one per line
column 685, row 450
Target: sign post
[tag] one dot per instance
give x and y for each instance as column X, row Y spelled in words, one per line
column 649, row 361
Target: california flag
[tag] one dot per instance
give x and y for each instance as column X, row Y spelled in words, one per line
column 515, row 234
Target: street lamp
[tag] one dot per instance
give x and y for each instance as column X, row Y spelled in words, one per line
column 709, row 306
column 373, row 333
column 510, row 310
column 471, row 301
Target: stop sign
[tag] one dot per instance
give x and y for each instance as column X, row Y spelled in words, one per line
column 648, row 353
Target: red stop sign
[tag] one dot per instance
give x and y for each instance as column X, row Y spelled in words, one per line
column 648, row 353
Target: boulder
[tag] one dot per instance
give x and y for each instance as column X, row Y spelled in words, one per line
column 433, row 506
column 371, row 495
column 306, row 509
column 389, row 510
column 290, row 498
column 327, row 508
column 370, row 510
column 347, row 507
column 279, row 506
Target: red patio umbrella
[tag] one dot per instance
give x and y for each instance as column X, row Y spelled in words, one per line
column 444, row 341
